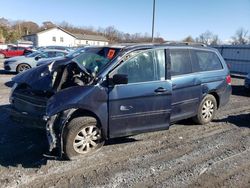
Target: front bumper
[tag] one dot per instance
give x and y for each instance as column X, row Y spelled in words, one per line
column 27, row 120
column 10, row 67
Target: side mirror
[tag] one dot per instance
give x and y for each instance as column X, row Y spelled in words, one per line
column 37, row 58
column 120, row 79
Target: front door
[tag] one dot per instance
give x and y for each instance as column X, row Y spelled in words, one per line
column 144, row 104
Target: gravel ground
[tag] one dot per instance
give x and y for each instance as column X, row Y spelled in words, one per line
column 187, row 155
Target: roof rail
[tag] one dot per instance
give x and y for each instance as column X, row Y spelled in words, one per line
column 185, row 43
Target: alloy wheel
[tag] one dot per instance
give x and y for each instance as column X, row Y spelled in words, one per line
column 207, row 109
column 23, row 67
column 87, row 139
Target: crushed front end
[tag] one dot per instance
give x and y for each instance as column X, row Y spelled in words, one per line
column 46, row 96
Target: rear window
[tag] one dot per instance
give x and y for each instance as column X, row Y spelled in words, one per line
column 206, row 61
column 180, row 62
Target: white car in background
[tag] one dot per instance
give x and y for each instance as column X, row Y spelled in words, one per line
column 23, row 63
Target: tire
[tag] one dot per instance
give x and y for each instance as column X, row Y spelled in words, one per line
column 82, row 137
column 207, row 110
column 22, row 67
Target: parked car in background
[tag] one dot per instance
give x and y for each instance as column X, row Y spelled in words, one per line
column 68, row 57
column 23, row 63
column 65, row 48
column 15, row 51
column 247, row 82
column 118, row 91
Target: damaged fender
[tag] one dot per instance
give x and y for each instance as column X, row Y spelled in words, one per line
column 63, row 104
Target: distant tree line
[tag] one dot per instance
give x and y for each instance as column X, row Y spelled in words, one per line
column 11, row 31
column 240, row 37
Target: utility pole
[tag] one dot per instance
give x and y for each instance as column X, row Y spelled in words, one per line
column 153, row 21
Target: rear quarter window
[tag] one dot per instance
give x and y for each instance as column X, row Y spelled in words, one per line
column 206, row 61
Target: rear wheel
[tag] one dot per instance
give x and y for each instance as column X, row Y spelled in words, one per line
column 206, row 110
column 82, row 136
column 22, row 67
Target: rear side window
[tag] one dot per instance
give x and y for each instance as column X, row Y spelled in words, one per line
column 207, row 61
column 13, row 48
column 20, row 48
column 60, row 54
column 180, row 62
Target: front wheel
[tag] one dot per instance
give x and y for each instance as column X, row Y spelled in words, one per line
column 82, row 136
column 22, row 67
column 206, row 110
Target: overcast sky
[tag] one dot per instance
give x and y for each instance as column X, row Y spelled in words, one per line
column 175, row 19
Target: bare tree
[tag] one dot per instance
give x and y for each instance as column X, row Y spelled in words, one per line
column 25, row 27
column 4, row 22
column 208, row 38
column 188, row 39
column 111, row 33
column 240, row 37
column 48, row 25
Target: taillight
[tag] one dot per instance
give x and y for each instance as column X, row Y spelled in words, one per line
column 228, row 79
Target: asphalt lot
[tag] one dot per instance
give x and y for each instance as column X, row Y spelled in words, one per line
column 187, row 155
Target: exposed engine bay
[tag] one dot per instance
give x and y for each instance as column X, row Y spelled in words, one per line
column 69, row 76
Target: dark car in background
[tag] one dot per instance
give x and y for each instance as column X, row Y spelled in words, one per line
column 118, row 91
column 64, row 48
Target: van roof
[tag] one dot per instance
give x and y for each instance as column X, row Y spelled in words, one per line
column 131, row 46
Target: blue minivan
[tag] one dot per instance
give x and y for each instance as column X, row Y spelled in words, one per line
column 118, row 91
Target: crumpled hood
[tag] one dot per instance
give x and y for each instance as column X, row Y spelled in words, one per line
column 38, row 78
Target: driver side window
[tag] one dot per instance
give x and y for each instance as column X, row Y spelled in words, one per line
column 144, row 66
column 140, row 68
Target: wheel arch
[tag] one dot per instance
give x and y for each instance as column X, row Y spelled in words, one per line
column 21, row 64
column 74, row 113
column 216, row 96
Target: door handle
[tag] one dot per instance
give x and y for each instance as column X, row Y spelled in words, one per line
column 125, row 108
column 161, row 90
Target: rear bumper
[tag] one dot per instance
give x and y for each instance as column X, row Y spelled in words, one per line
column 27, row 120
column 225, row 95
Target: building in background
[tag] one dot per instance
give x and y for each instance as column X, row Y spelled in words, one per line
column 60, row 37
column 96, row 40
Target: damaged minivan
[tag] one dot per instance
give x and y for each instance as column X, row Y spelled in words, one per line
column 119, row 91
